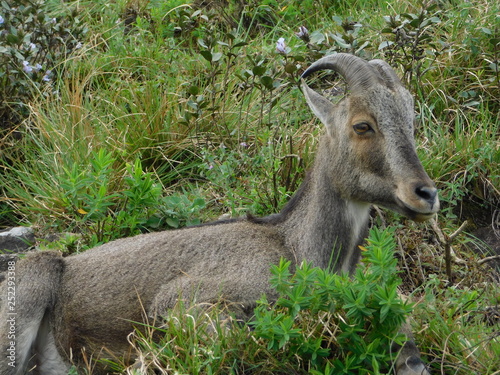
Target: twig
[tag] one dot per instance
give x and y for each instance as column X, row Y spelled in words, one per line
column 488, row 259
column 438, row 231
column 458, row 231
column 446, row 241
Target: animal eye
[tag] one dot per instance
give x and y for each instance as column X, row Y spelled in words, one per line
column 362, row 128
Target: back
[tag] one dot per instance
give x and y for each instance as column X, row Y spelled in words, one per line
column 148, row 272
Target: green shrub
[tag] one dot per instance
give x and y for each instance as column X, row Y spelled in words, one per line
column 334, row 323
column 91, row 198
column 32, row 44
column 180, row 210
column 102, row 202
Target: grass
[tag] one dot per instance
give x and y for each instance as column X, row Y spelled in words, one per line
column 199, row 95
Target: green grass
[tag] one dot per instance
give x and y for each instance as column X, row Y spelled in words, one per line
column 463, row 340
column 213, row 113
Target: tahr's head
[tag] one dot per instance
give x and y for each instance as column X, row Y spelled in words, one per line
column 370, row 134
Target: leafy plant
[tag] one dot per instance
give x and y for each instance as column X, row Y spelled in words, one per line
column 66, row 243
column 32, row 44
column 107, row 208
column 413, row 38
column 180, row 210
column 93, row 202
column 362, row 314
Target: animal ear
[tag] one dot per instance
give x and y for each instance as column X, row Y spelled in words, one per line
column 320, row 105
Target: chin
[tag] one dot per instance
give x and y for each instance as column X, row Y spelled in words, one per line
column 416, row 215
column 419, row 217
column 409, row 213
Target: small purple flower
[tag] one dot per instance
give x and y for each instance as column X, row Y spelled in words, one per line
column 78, row 45
column 281, row 46
column 210, row 167
column 32, row 46
column 37, row 67
column 27, row 67
column 303, row 34
column 1, row 20
column 46, row 77
column 243, row 144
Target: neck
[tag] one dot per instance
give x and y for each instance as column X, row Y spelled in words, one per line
column 322, row 227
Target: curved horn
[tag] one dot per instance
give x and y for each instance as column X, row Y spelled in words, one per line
column 386, row 71
column 356, row 71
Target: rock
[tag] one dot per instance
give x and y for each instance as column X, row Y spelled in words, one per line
column 16, row 240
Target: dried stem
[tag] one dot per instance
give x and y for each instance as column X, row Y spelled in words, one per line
column 446, row 241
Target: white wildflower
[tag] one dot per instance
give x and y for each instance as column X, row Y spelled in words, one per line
column 303, row 33
column 27, row 67
column 46, row 77
column 281, row 46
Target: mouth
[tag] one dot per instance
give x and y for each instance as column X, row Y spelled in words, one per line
column 420, row 217
column 414, row 214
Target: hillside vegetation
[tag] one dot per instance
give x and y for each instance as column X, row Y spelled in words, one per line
column 123, row 117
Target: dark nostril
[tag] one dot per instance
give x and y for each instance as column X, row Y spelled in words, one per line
column 427, row 193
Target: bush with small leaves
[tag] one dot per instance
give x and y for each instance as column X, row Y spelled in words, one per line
column 103, row 207
column 335, row 323
column 32, row 44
